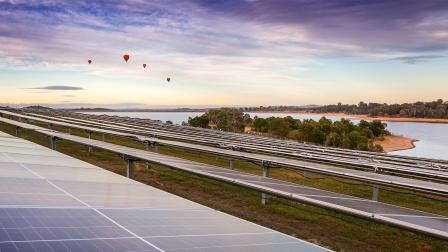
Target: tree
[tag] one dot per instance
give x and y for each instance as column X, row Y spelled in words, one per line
column 378, row 128
column 260, row 124
column 278, row 127
column 199, row 121
column 227, row 119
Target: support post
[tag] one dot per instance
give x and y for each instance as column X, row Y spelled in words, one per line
column 102, row 137
column 69, row 131
column 90, row 137
column 53, row 142
column 232, row 163
column 375, row 192
column 156, row 147
column 148, row 146
column 266, row 169
column 305, row 174
column 17, row 131
column 50, row 126
column 130, row 168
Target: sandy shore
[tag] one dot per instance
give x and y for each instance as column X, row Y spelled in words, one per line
column 395, row 143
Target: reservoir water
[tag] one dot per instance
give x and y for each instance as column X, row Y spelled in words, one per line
column 432, row 137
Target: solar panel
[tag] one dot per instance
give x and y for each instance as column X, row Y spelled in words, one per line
column 435, row 225
column 52, row 202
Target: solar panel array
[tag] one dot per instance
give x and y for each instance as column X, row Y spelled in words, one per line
column 436, row 225
column 366, row 176
column 52, row 202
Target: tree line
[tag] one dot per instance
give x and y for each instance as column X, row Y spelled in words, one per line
column 342, row 133
column 433, row 109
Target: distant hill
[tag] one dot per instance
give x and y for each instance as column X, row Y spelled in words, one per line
column 91, row 110
column 281, row 108
column 37, row 107
column 137, row 110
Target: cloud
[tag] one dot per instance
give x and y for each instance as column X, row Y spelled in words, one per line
column 275, row 28
column 417, row 59
column 58, row 88
column 380, row 25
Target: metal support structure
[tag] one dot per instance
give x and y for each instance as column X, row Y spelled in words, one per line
column 266, row 165
column 375, row 192
column 156, row 147
column 17, row 131
column 148, row 148
column 53, row 141
column 266, row 169
column 232, row 163
column 90, row 137
column 130, row 168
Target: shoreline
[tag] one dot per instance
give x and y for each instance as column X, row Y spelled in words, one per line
column 362, row 117
column 401, row 119
column 396, row 143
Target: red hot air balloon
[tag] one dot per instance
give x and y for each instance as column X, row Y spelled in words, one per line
column 144, row 65
column 90, row 61
column 126, row 57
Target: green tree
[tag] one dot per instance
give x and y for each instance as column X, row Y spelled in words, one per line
column 199, row 121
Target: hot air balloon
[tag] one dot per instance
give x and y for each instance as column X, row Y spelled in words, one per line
column 90, row 61
column 126, row 57
column 168, row 79
column 144, row 65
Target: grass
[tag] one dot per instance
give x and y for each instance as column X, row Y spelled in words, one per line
column 335, row 230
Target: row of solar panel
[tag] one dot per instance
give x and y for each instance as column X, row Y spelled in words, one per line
column 52, row 202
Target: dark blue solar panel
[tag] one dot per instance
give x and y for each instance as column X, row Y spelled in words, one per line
column 125, row 244
column 24, row 224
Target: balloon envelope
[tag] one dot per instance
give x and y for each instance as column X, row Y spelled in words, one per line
column 168, row 79
column 144, row 65
column 90, row 61
column 126, row 57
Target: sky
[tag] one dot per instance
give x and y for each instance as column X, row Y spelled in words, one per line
column 222, row 53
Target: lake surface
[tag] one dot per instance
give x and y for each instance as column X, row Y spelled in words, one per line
column 433, row 137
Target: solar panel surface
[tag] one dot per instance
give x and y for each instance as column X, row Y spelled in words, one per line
column 52, row 202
